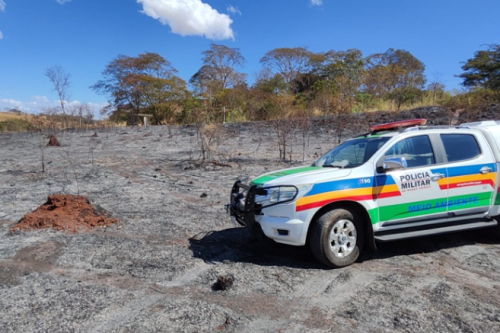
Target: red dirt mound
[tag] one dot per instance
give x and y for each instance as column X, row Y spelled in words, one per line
column 53, row 142
column 65, row 212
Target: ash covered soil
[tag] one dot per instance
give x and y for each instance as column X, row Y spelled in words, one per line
column 174, row 262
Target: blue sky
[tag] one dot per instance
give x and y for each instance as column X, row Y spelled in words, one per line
column 83, row 36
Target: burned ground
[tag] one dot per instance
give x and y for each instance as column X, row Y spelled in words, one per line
column 174, row 262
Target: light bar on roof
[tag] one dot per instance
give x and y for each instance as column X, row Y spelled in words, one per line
column 398, row 124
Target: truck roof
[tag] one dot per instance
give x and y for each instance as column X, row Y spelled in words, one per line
column 489, row 128
column 401, row 126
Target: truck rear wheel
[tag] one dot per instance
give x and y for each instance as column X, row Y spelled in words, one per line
column 336, row 238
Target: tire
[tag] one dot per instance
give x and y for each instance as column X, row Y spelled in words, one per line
column 337, row 238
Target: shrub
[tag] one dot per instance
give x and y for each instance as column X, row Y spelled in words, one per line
column 475, row 98
column 15, row 125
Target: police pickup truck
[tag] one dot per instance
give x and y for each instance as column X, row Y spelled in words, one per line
column 400, row 180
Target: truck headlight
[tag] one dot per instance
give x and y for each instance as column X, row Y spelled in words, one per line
column 288, row 193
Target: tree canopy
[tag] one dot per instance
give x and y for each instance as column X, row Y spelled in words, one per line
column 395, row 74
column 292, row 83
column 146, row 83
column 288, row 62
column 219, row 70
column 483, row 70
column 341, row 74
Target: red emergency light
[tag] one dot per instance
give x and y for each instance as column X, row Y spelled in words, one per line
column 398, row 124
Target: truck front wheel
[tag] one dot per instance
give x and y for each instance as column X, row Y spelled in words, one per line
column 336, row 238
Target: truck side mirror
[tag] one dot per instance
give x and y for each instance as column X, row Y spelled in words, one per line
column 391, row 163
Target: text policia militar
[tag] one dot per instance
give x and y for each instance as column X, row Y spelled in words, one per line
column 415, row 180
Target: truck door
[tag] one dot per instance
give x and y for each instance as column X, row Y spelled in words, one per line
column 420, row 197
column 472, row 174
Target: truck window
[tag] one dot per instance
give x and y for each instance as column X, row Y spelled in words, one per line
column 460, row 147
column 416, row 150
column 352, row 153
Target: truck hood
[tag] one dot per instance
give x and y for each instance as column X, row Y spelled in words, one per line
column 300, row 175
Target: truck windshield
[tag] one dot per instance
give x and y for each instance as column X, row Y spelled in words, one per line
column 352, row 153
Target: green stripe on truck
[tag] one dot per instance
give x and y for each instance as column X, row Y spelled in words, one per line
column 421, row 208
column 266, row 178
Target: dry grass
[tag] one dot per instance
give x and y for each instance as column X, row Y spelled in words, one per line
column 9, row 116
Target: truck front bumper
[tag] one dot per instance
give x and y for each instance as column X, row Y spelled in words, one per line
column 247, row 212
column 282, row 230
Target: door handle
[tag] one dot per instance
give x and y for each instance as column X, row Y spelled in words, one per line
column 485, row 170
column 437, row 176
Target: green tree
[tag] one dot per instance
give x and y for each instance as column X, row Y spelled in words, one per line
column 218, row 74
column 219, row 70
column 147, row 83
column 395, row 74
column 483, row 70
column 341, row 75
column 234, row 103
column 288, row 62
column 270, row 83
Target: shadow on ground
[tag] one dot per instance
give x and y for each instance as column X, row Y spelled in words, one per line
column 430, row 244
column 238, row 245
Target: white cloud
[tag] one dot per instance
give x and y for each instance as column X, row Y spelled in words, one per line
column 190, row 17
column 62, row 2
column 35, row 105
column 1, row 35
column 233, row 10
column 7, row 104
column 38, row 104
column 40, row 99
column 316, row 2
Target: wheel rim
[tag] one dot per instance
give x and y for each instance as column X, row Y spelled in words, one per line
column 342, row 238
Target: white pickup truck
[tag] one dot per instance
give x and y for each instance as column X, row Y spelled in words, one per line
column 400, row 180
